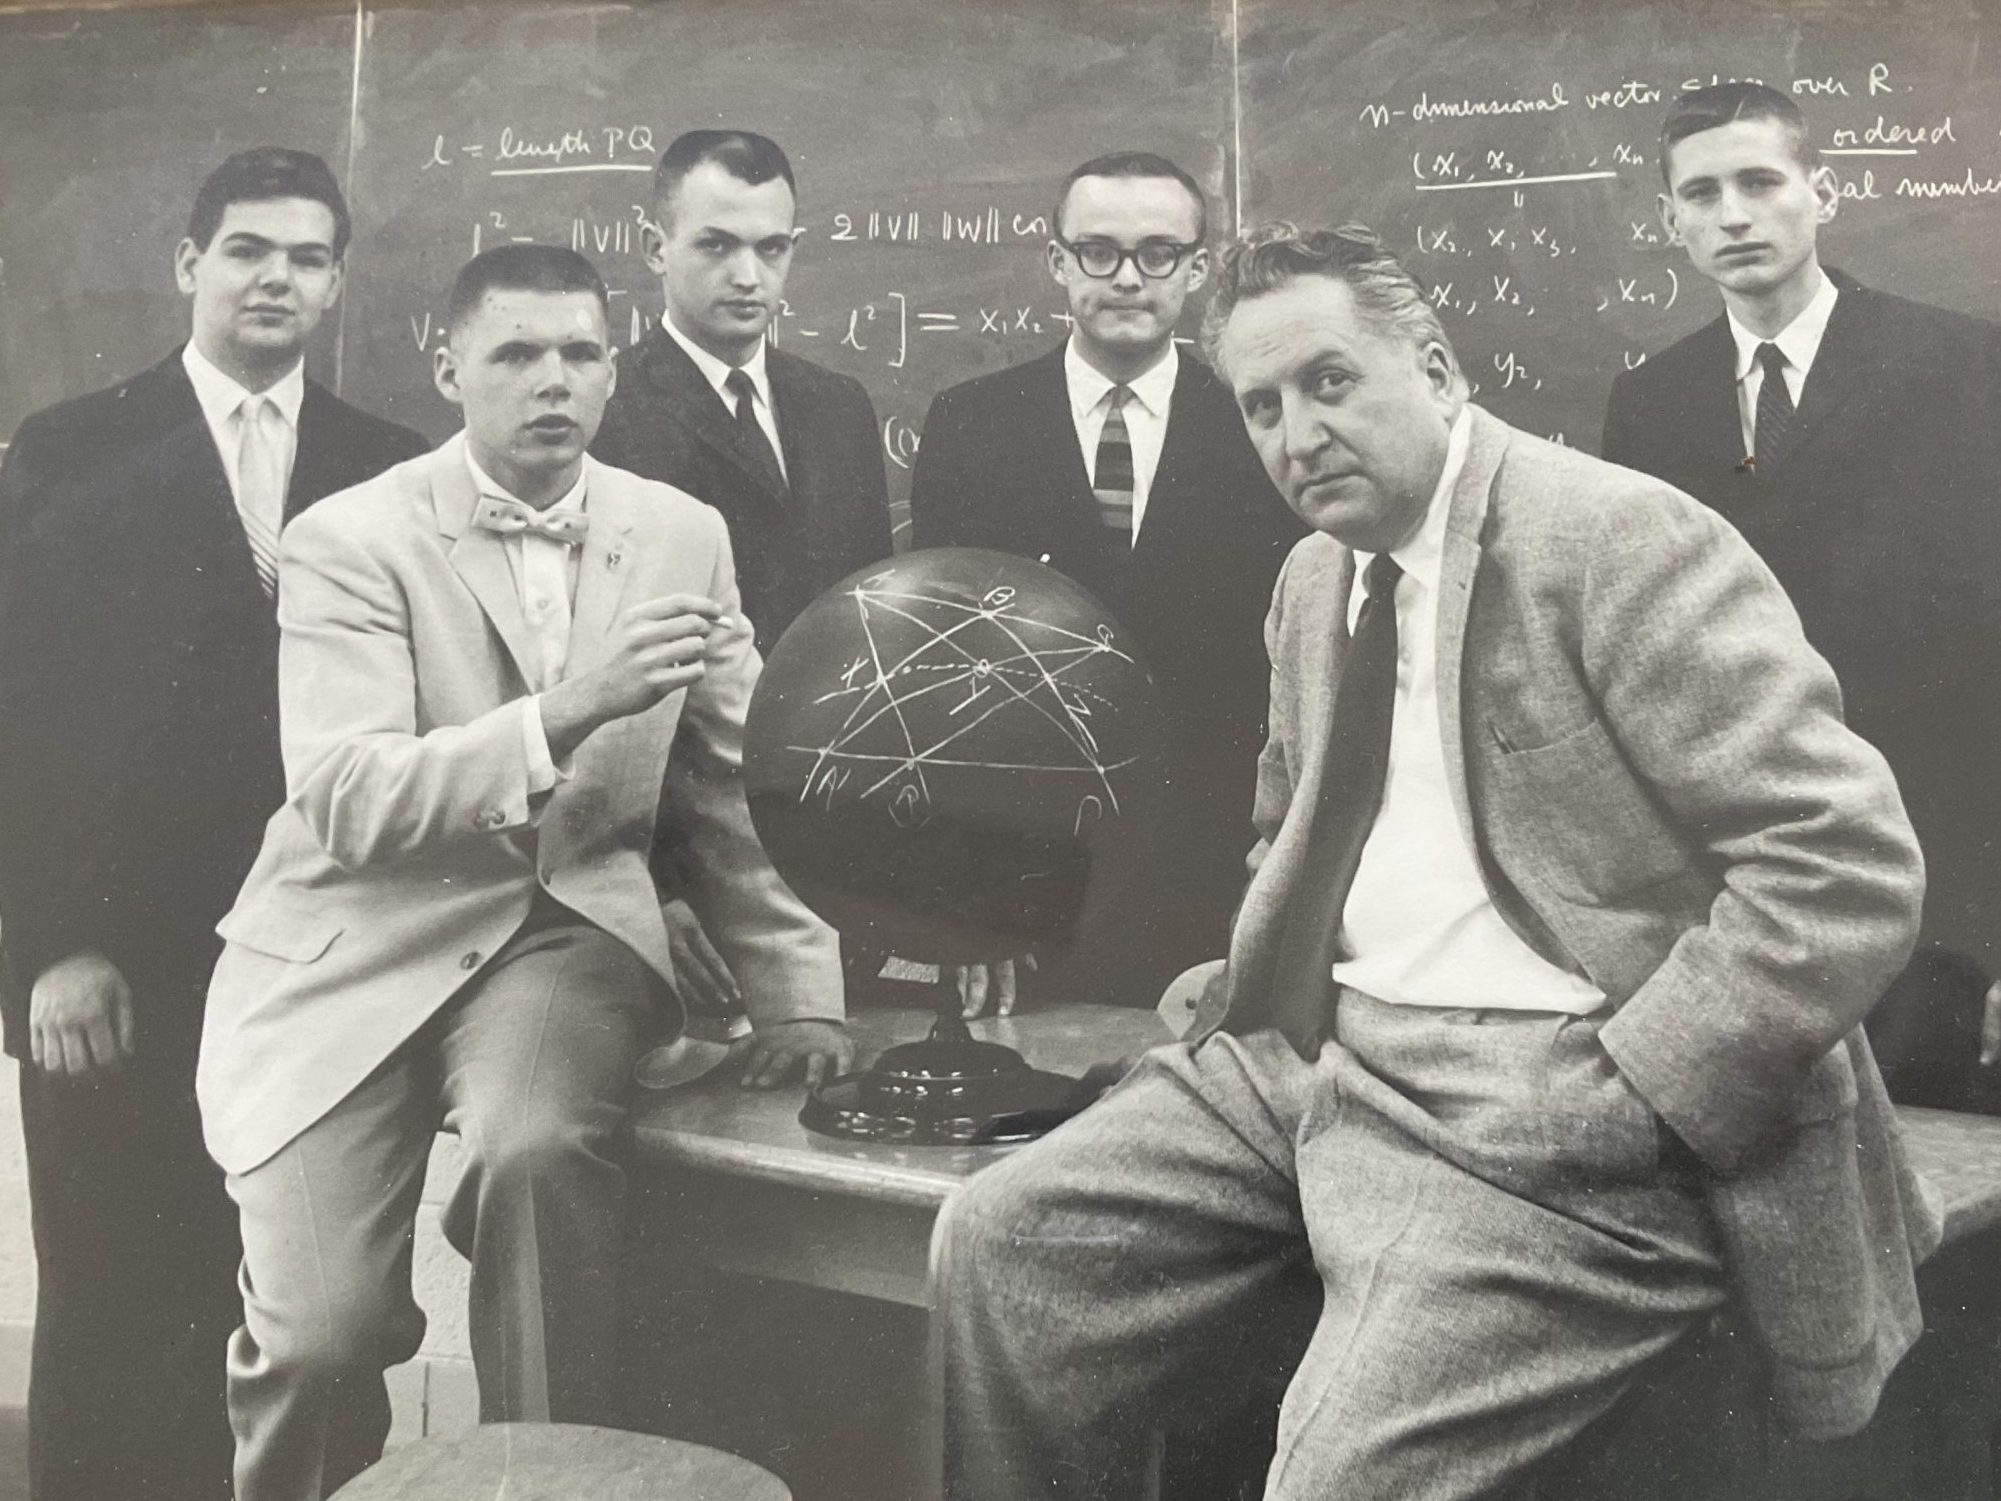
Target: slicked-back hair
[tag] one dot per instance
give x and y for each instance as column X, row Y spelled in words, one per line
column 521, row 268
column 1134, row 164
column 1721, row 104
column 747, row 156
column 1274, row 255
column 259, row 175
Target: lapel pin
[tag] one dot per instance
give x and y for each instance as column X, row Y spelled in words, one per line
column 612, row 559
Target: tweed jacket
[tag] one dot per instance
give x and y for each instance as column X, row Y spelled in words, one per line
column 410, row 847
column 1651, row 762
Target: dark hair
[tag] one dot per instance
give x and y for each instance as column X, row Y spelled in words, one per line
column 1270, row 256
column 1133, row 164
column 1720, row 104
column 521, row 268
column 745, row 155
column 259, row 175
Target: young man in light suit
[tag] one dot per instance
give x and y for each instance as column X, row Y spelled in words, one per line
column 139, row 737
column 1539, row 1034
column 1867, row 473
column 506, row 668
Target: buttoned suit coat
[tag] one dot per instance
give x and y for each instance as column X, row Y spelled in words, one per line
column 138, row 684
column 1000, row 467
column 409, row 847
column 666, row 422
column 1651, row 762
column 1882, row 518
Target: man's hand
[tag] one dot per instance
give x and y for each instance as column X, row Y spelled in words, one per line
column 981, row 983
column 700, row 975
column 1990, row 1027
column 771, row 1055
column 80, row 1016
column 656, row 648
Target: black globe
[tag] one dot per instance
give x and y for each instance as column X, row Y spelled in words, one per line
column 954, row 755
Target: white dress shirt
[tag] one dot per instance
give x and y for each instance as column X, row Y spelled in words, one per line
column 545, row 583
column 717, row 373
column 222, row 399
column 1145, row 413
column 1798, row 341
column 1420, row 927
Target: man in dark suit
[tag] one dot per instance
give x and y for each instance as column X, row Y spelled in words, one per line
column 1867, row 473
column 139, row 729
column 786, row 450
column 1121, row 461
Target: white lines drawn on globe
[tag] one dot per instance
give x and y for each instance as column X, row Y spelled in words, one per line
column 1021, row 679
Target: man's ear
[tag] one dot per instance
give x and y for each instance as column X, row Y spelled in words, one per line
column 1670, row 221
column 1826, row 191
column 653, row 247
column 185, row 255
column 1198, row 267
column 445, row 372
column 1059, row 263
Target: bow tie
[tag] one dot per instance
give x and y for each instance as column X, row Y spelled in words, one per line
column 511, row 518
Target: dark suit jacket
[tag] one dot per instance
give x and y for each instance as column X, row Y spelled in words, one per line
column 1883, row 521
column 1000, row 467
column 138, row 684
column 665, row 422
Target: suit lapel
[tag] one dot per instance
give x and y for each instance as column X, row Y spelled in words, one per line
column 1849, row 351
column 206, row 528
column 692, row 402
column 603, row 569
column 478, row 556
column 1486, row 445
column 1163, row 522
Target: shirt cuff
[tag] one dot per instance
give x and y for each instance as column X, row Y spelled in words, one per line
column 543, row 772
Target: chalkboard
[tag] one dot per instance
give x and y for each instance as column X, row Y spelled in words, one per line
column 928, row 141
column 1508, row 153
column 108, row 123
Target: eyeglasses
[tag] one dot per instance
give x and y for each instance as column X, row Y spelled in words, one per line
column 1101, row 260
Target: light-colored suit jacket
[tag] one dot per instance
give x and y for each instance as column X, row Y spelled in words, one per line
column 1652, row 764
column 410, row 848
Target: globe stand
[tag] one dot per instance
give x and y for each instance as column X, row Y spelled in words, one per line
column 948, row 1090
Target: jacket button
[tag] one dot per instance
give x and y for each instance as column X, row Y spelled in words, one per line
column 471, row 961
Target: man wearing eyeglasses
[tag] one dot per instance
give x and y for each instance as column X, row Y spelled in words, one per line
column 1121, row 461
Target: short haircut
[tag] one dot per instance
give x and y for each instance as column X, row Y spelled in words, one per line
column 1272, row 255
column 1134, row 164
column 1721, row 104
column 259, row 175
column 744, row 154
column 521, row 268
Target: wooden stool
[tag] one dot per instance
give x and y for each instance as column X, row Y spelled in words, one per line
column 561, row 1462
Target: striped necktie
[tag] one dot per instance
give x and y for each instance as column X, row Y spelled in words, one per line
column 260, row 486
column 1774, row 420
column 1112, row 475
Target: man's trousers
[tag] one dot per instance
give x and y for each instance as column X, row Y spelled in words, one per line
column 531, row 1065
column 1460, row 1233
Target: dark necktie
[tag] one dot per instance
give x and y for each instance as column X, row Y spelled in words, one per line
column 1774, row 419
column 1351, row 792
column 1112, row 474
column 752, row 431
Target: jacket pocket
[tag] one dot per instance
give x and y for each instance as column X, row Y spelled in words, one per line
column 281, row 929
column 1574, row 809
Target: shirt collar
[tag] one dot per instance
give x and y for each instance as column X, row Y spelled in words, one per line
column 1798, row 341
column 488, row 486
column 1423, row 555
column 717, row 372
column 220, row 395
column 1152, row 390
